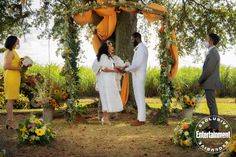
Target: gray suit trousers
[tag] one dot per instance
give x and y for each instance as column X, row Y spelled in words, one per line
column 211, row 103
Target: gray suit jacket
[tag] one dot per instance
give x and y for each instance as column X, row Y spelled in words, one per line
column 210, row 78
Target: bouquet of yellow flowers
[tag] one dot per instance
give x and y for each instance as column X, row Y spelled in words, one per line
column 184, row 133
column 190, row 101
column 189, row 96
column 34, row 131
column 230, row 148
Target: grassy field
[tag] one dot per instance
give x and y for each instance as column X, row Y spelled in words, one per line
column 87, row 137
column 226, row 106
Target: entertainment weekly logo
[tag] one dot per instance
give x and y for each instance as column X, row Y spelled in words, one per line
column 212, row 142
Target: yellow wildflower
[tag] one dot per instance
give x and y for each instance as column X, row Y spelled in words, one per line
column 23, row 130
column 186, row 98
column 40, row 132
column 186, row 133
column 231, row 148
column 234, row 149
column 234, row 137
column 188, row 142
column 37, row 121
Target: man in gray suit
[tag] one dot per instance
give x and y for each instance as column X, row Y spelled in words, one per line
column 210, row 78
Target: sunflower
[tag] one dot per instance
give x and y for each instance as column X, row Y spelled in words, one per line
column 55, row 105
column 40, row 132
column 56, row 91
column 189, row 102
column 193, row 103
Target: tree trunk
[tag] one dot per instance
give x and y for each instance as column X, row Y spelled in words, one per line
column 126, row 26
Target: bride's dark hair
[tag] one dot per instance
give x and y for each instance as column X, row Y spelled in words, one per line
column 103, row 50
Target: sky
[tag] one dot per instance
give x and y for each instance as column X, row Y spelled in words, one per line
column 43, row 51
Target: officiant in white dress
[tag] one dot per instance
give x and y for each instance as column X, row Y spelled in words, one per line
column 104, row 68
column 138, row 69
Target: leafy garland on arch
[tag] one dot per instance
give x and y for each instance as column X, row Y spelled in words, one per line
column 70, row 70
column 166, row 61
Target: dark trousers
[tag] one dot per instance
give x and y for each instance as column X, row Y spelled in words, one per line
column 211, row 103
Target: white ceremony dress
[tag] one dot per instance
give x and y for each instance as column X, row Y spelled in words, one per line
column 107, row 86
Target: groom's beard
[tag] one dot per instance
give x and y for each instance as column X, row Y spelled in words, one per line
column 135, row 43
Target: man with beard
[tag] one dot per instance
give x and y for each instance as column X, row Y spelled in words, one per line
column 138, row 69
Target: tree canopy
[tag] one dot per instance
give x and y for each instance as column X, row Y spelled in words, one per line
column 14, row 17
column 192, row 19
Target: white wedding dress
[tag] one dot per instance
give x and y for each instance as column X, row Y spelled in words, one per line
column 107, row 86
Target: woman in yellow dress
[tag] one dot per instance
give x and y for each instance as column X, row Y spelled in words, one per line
column 12, row 78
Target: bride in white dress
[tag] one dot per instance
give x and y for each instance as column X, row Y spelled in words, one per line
column 106, row 81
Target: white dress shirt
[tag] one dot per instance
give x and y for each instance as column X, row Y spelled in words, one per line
column 140, row 57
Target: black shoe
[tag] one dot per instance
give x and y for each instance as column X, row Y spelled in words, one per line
column 207, row 129
column 215, row 130
column 210, row 129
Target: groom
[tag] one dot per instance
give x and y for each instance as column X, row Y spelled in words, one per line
column 210, row 78
column 138, row 69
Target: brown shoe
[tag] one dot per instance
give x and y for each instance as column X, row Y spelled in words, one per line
column 137, row 123
column 11, row 124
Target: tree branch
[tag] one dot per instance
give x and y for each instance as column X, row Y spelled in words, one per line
column 129, row 4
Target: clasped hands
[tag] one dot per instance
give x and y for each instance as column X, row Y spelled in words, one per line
column 120, row 69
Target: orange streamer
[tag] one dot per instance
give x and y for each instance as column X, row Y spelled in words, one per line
column 125, row 89
column 154, row 17
column 105, row 11
column 174, row 55
column 96, row 43
column 108, row 24
column 83, row 18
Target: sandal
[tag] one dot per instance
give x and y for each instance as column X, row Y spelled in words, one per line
column 104, row 122
column 11, row 124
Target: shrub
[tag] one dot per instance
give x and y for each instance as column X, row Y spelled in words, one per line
column 87, row 83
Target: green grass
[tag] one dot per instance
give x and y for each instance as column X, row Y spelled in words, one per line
column 185, row 75
column 226, row 106
column 52, row 71
column 23, row 110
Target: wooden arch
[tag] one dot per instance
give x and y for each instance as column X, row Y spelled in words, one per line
column 153, row 12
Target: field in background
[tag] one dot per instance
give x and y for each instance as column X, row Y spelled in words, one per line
column 187, row 75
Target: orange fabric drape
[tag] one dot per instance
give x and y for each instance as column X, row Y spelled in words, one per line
column 105, row 11
column 174, row 55
column 157, row 7
column 106, row 27
column 128, row 10
column 83, row 18
column 96, row 43
column 125, row 89
column 151, row 17
column 154, row 17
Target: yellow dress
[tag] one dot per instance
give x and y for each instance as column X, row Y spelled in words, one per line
column 12, row 79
